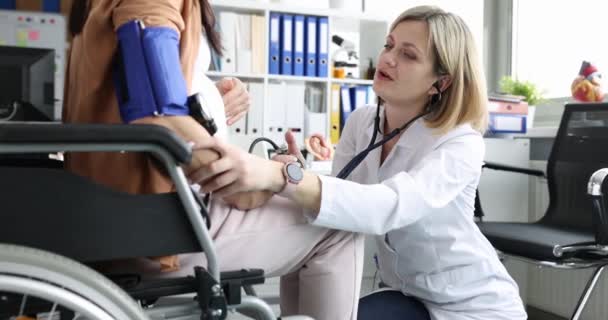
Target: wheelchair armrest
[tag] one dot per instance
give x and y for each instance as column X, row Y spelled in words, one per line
column 502, row 167
column 595, row 188
column 120, row 135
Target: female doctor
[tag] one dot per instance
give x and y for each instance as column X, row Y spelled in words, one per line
column 412, row 165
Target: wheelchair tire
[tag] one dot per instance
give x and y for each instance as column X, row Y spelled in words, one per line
column 71, row 276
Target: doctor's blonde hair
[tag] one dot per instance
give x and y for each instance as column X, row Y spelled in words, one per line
column 451, row 41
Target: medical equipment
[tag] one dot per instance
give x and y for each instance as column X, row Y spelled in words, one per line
column 345, row 60
column 147, row 72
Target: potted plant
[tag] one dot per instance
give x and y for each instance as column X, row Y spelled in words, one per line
column 527, row 90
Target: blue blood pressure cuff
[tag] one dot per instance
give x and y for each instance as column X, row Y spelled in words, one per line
column 148, row 77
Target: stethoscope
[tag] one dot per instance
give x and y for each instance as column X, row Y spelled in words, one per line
column 356, row 160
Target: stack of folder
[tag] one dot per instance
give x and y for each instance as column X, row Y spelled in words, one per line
column 242, row 40
column 344, row 100
column 298, row 45
column 507, row 114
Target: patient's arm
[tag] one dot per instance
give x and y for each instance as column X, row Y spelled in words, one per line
column 190, row 130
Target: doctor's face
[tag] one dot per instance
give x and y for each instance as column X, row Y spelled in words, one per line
column 404, row 74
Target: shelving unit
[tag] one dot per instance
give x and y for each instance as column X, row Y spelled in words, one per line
column 366, row 31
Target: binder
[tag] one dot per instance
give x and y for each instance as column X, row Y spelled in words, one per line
column 255, row 116
column 294, row 111
column 298, row 45
column 334, row 114
column 243, row 44
column 8, row 4
column 228, row 27
column 371, row 96
column 310, row 47
column 345, row 105
column 273, row 43
column 358, row 97
column 274, row 112
column 322, row 46
column 286, row 49
column 258, row 52
column 51, row 6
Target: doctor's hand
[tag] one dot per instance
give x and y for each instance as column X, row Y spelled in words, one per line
column 293, row 151
column 236, row 98
column 236, row 171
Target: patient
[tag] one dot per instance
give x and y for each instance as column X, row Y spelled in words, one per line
column 320, row 268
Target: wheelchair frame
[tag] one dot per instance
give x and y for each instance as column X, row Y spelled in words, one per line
column 163, row 149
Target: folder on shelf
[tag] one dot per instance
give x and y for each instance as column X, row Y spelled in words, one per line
column 298, row 45
column 315, row 122
column 334, row 114
column 322, row 46
column 273, row 44
column 8, row 5
column 345, row 105
column 51, row 6
column 228, row 28
column 255, row 116
column 358, row 97
column 314, row 98
column 243, row 44
column 258, row 52
column 286, row 49
column 294, row 112
column 310, row 47
column 371, row 97
column 274, row 113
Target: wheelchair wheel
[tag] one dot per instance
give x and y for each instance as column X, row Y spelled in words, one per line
column 52, row 282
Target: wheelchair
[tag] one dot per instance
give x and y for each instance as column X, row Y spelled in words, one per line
column 54, row 223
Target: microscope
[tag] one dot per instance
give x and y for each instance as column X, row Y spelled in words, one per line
column 345, row 60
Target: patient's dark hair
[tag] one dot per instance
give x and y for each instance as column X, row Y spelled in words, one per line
column 80, row 12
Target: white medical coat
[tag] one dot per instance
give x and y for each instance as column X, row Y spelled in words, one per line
column 420, row 203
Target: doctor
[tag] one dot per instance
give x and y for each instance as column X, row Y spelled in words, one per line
column 416, row 189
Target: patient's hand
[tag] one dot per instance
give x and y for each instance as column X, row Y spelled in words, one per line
column 188, row 129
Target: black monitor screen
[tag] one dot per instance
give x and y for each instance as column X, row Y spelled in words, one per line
column 27, row 83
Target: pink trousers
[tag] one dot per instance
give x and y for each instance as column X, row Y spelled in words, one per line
column 320, row 268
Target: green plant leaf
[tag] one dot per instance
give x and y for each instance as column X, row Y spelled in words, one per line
column 526, row 89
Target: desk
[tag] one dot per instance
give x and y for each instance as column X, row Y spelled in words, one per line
column 541, row 141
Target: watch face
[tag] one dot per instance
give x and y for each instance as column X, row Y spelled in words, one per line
column 295, row 172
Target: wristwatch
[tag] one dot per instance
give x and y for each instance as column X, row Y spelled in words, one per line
column 293, row 173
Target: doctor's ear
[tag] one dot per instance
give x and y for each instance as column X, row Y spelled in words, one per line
column 442, row 84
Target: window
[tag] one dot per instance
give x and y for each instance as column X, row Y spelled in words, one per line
column 551, row 38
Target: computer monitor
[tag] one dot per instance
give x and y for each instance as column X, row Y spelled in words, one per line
column 27, row 84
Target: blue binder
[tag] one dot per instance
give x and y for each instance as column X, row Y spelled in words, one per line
column 273, row 43
column 310, row 47
column 286, row 46
column 358, row 97
column 8, row 4
column 322, row 44
column 51, row 6
column 345, row 105
column 298, row 45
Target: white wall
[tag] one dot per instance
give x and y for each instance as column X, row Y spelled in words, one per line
column 471, row 11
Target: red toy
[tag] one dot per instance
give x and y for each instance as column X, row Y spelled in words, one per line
column 587, row 86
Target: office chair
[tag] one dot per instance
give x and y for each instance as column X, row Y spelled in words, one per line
column 573, row 233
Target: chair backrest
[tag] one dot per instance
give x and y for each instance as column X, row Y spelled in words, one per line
column 580, row 148
column 54, row 210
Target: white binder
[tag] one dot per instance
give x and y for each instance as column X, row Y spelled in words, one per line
column 228, row 29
